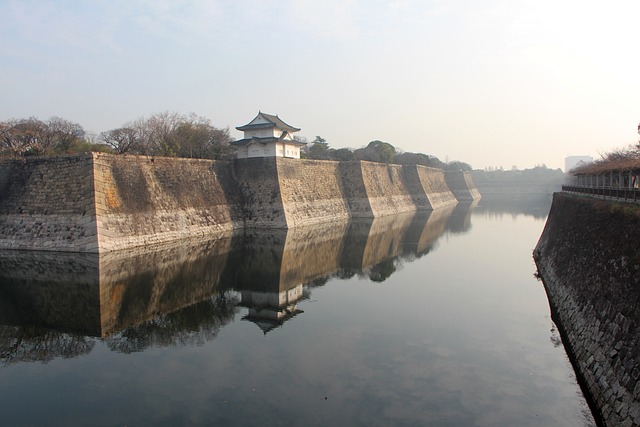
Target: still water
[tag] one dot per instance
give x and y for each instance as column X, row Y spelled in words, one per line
column 432, row 319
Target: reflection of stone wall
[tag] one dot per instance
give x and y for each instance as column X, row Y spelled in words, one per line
column 135, row 287
column 427, row 228
column 99, row 294
column 371, row 241
column 276, row 260
column 312, row 252
column 50, row 289
column 161, row 289
column 460, row 219
column 385, row 238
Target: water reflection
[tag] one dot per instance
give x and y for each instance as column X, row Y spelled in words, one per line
column 460, row 220
column 57, row 305
column 536, row 206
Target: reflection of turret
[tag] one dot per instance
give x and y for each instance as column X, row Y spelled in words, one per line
column 269, row 268
column 50, row 302
column 275, row 260
column 269, row 310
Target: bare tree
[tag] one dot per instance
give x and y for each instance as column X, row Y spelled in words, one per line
column 33, row 137
column 23, row 137
column 63, row 133
column 163, row 134
column 159, row 130
column 122, row 140
column 172, row 134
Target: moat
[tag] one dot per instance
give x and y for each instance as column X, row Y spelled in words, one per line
column 433, row 318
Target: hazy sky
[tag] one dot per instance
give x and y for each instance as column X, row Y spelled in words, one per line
column 491, row 82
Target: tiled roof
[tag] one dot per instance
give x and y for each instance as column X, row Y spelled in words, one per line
column 264, row 141
column 274, row 121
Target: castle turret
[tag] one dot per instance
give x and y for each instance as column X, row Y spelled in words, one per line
column 268, row 136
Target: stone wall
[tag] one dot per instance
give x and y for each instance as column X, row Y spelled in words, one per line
column 386, row 189
column 462, row 186
column 434, row 186
column 311, row 191
column 354, row 189
column 101, row 202
column 259, row 192
column 284, row 192
column 589, row 262
column 143, row 200
column 48, row 204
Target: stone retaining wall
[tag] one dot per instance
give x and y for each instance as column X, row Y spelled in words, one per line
column 143, row 200
column 312, row 191
column 435, row 186
column 48, row 204
column 589, row 262
column 461, row 185
column 386, row 189
column 100, row 202
column 259, row 192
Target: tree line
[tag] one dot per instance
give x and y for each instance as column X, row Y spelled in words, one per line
column 171, row 134
column 34, row 137
column 618, row 156
column 375, row 151
column 163, row 134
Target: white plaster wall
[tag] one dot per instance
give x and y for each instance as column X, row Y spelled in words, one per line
column 243, row 152
column 262, row 133
column 292, row 151
column 255, row 150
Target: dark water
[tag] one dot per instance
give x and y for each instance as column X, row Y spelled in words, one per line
column 429, row 319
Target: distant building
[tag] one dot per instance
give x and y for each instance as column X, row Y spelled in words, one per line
column 268, row 136
column 575, row 161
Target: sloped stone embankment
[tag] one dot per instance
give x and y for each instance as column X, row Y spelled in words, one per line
column 589, row 260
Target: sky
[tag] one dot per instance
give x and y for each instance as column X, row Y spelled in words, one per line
column 490, row 83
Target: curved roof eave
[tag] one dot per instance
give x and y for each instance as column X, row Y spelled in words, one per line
column 274, row 121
